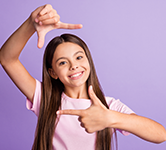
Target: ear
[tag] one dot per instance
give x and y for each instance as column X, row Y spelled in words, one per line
column 52, row 73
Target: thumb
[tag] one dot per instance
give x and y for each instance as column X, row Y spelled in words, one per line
column 95, row 100
column 41, row 39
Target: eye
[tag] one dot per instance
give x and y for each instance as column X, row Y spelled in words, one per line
column 62, row 63
column 79, row 57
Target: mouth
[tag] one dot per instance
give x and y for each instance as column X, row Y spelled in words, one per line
column 76, row 75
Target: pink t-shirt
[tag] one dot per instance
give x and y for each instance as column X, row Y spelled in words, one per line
column 69, row 135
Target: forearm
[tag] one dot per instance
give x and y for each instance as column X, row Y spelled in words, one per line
column 142, row 127
column 12, row 48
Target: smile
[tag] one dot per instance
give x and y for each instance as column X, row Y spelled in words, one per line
column 76, row 75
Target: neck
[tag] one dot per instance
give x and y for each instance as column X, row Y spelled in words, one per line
column 77, row 92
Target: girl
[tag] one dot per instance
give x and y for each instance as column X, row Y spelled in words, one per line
column 69, row 102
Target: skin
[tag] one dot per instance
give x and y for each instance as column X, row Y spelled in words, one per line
column 97, row 116
column 42, row 20
column 70, row 60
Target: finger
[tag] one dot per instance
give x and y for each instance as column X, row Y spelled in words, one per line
column 82, row 125
column 41, row 39
column 93, row 96
column 36, row 12
column 79, row 119
column 47, row 8
column 69, row 112
column 62, row 25
column 52, row 21
column 49, row 15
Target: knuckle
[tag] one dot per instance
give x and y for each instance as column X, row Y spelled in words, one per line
column 83, row 113
column 83, row 120
column 69, row 111
column 58, row 16
column 65, row 111
column 48, row 5
column 50, row 15
column 55, row 20
column 55, row 12
column 89, row 130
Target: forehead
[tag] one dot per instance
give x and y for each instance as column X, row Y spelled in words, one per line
column 67, row 49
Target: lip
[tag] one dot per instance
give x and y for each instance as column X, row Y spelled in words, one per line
column 76, row 76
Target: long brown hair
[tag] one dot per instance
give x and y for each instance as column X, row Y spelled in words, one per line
column 51, row 97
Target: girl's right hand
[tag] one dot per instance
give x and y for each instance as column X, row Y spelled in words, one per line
column 45, row 19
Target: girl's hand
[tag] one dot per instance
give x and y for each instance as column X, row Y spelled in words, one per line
column 45, row 19
column 92, row 119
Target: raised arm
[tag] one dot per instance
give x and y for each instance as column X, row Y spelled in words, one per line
column 9, row 56
column 42, row 20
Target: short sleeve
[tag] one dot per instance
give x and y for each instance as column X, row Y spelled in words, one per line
column 35, row 106
column 117, row 105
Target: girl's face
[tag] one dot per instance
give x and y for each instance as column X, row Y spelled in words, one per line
column 70, row 65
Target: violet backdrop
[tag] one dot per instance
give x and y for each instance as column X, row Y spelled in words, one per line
column 127, row 40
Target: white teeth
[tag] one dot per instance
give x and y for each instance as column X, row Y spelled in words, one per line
column 76, row 75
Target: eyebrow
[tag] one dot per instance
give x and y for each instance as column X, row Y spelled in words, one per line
column 66, row 57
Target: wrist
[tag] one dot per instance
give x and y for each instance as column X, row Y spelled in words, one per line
column 113, row 119
column 30, row 25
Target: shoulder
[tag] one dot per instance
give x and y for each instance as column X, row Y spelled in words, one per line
column 35, row 106
column 117, row 105
column 38, row 89
column 111, row 101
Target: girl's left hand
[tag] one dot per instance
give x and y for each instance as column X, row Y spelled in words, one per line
column 45, row 19
column 94, row 118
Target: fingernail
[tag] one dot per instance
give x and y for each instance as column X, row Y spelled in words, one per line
column 40, row 23
column 91, row 88
column 36, row 20
column 58, row 112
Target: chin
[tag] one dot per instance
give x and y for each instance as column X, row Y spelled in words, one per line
column 77, row 85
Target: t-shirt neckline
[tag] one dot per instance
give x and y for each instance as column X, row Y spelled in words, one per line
column 66, row 97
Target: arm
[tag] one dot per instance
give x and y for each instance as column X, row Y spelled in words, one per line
column 142, row 127
column 98, row 117
column 9, row 54
column 42, row 20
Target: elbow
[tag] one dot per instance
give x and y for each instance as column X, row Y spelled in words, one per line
column 5, row 61
column 164, row 136
column 160, row 137
column 1, row 61
column 163, row 139
column 0, row 56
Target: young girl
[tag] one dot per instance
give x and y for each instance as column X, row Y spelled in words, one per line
column 71, row 108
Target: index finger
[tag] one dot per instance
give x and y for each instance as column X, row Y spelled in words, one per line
column 69, row 112
column 45, row 9
column 62, row 25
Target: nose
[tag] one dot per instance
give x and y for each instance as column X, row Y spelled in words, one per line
column 73, row 66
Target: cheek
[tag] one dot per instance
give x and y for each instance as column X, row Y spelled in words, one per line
column 61, row 72
column 88, row 66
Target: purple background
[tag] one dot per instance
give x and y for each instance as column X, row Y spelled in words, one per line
column 127, row 40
